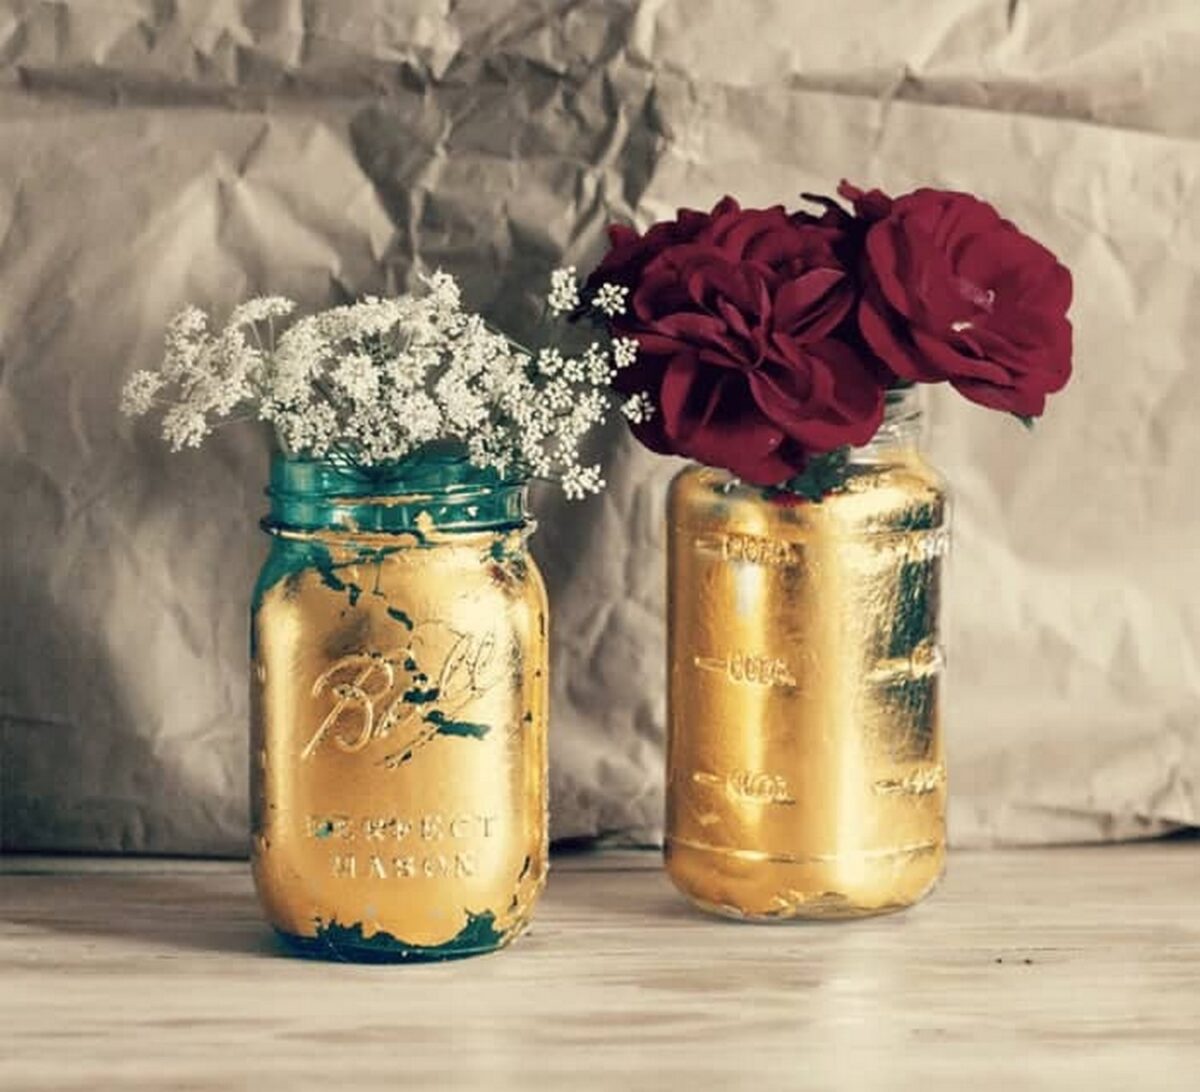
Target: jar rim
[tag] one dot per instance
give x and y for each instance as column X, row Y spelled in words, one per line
column 898, row 401
column 902, row 424
column 437, row 490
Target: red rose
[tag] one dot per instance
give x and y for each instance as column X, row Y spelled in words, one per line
column 735, row 313
column 953, row 292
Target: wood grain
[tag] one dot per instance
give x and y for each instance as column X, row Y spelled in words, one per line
column 1034, row 969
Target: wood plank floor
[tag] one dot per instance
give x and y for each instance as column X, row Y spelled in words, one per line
column 1033, row 969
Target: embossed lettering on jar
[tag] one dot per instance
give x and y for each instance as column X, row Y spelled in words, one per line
column 805, row 765
column 399, row 711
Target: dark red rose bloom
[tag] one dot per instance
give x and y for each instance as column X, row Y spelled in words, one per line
column 953, row 292
column 737, row 314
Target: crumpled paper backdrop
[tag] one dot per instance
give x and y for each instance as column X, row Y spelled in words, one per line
column 155, row 154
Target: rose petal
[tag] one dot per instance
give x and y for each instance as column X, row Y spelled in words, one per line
column 948, row 363
column 743, row 442
column 833, row 398
column 659, row 293
column 739, row 235
column 703, row 335
column 810, row 306
column 891, row 345
column 688, row 396
column 883, row 252
column 868, row 205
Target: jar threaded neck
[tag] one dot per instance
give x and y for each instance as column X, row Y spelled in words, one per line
column 429, row 491
column 903, row 423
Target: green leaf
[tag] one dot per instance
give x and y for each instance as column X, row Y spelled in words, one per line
column 1026, row 421
column 821, row 475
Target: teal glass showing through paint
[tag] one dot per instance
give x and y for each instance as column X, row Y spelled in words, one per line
column 439, row 485
column 399, row 640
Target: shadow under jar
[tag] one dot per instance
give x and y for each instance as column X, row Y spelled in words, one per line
column 805, row 770
column 399, row 696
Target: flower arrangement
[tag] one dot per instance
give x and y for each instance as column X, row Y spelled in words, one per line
column 765, row 341
column 373, row 382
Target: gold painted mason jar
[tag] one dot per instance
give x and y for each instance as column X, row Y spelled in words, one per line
column 805, row 766
column 399, row 697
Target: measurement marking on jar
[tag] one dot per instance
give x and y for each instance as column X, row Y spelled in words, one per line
column 749, row 668
column 751, row 549
column 759, row 551
column 918, row 546
column 748, row 786
column 918, row 783
column 894, row 546
column 923, row 662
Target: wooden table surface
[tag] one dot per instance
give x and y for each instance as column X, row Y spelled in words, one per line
column 1028, row 969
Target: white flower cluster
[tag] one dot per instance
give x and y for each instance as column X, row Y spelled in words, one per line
column 639, row 408
column 611, row 298
column 213, row 375
column 565, row 297
column 376, row 380
column 564, row 291
column 624, row 351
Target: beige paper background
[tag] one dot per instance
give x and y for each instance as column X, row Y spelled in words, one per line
column 153, row 154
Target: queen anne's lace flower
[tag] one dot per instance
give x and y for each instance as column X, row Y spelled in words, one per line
column 259, row 309
column 598, row 367
column 357, row 377
column 184, row 426
column 375, row 380
column 443, row 292
column 187, row 336
column 139, row 392
column 579, row 481
column 463, row 409
column 624, row 352
column 610, row 298
column 564, row 291
column 639, row 408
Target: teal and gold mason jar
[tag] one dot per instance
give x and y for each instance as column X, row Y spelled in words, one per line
column 805, row 761
column 399, row 695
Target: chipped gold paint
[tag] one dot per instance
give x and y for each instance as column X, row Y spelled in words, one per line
column 400, row 787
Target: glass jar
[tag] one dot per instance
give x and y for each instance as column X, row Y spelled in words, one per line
column 399, row 700
column 805, row 773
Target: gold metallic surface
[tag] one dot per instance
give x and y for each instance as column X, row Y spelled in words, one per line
column 805, row 766
column 399, row 739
